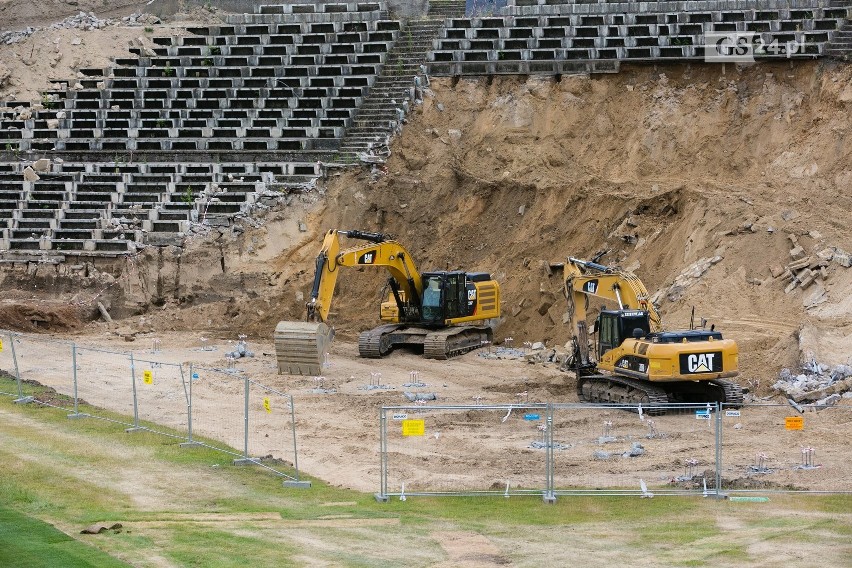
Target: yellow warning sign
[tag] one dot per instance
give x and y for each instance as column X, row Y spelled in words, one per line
column 267, row 405
column 794, row 423
column 413, row 427
column 148, row 377
column 1, row 345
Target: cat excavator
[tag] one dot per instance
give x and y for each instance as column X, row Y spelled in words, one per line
column 637, row 362
column 442, row 313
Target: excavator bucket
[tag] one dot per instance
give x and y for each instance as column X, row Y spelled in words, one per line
column 300, row 347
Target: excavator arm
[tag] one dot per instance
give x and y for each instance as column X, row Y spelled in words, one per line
column 380, row 251
column 584, row 279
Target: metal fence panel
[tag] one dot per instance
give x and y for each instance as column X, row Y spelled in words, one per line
column 217, row 416
column 445, row 449
column 162, row 397
column 271, row 431
column 768, row 448
column 105, row 381
column 620, row 450
column 48, row 362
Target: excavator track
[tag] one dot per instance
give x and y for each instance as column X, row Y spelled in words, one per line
column 733, row 393
column 612, row 389
column 376, row 343
column 453, row 341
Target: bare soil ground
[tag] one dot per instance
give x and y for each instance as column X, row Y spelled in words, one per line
column 476, row 448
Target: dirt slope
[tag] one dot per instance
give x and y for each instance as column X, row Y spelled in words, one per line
column 687, row 162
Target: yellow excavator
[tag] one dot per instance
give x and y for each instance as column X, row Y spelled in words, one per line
column 442, row 313
column 637, row 361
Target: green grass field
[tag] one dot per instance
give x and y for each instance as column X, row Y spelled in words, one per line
column 191, row 507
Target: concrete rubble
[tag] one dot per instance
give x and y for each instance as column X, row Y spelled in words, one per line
column 806, row 269
column 686, row 279
column 817, row 384
column 82, row 21
column 636, row 450
column 532, row 353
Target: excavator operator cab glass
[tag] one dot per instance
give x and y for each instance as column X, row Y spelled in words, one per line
column 432, row 303
column 444, row 296
column 615, row 326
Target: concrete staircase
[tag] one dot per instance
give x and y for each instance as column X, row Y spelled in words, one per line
column 840, row 46
column 376, row 117
column 447, row 8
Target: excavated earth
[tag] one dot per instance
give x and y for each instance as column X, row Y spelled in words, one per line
column 700, row 178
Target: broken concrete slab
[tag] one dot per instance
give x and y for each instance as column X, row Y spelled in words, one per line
column 30, row 175
column 42, row 165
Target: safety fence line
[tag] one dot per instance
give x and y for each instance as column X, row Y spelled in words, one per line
column 123, row 367
column 408, row 453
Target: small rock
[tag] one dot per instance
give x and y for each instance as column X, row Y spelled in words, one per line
column 538, row 345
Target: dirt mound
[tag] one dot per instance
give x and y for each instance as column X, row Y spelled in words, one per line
column 42, row 316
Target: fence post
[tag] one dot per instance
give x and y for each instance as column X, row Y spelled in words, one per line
column 190, row 443
column 382, row 495
column 298, row 483
column 549, row 496
column 719, row 494
column 245, row 459
column 135, row 427
column 76, row 413
column 21, row 398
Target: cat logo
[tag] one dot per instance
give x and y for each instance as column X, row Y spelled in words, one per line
column 471, row 295
column 590, row 287
column 367, row 257
column 701, row 363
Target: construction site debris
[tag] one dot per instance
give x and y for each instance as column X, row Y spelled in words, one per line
column 815, row 384
column 686, row 279
column 240, row 351
column 415, row 396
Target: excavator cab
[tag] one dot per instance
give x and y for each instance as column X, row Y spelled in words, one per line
column 614, row 326
column 445, row 297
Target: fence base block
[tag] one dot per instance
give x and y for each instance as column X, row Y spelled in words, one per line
column 24, row 400
column 190, row 444
column 245, row 461
column 381, row 498
column 298, row 484
column 134, row 429
column 76, row 415
column 548, row 498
